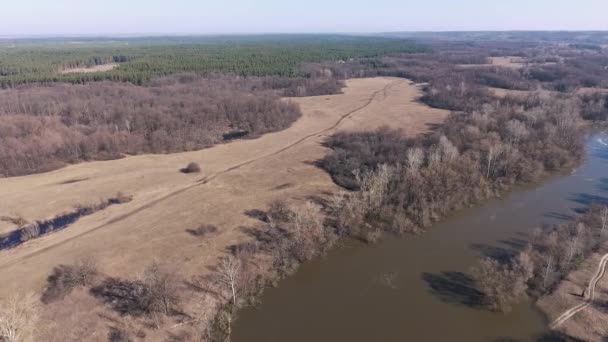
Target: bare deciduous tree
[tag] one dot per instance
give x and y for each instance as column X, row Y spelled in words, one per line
column 160, row 289
column 228, row 275
column 493, row 153
column 415, row 158
column 516, row 130
column 604, row 219
column 18, row 316
column 503, row 284
column 574, row 242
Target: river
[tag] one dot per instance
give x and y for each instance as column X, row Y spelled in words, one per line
column 417, row 288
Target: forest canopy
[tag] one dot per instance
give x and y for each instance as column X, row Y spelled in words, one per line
column 141, row 59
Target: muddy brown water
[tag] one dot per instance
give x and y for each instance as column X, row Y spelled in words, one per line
column 417, row 288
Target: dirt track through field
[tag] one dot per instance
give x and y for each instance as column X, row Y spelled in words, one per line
column 599, row 274
column 206, row 180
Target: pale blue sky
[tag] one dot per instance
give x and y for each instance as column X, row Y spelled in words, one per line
column 78, row 17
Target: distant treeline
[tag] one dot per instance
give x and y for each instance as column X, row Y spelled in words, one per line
column 145, row 58
column 555, row 68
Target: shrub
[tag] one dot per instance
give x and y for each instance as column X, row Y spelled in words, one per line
column 203, row 230
column 65, row 278
column 117, row 335
column 155, row 292
column 503, row 284
column 191, row 168
column 17, row 220
column 30, row 232
column 120, row 198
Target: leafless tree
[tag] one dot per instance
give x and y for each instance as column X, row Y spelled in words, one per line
column 448, row 151
column 503, row 284
column 18, row 317
column 160, row 289
column 574, row 242
column 228, row 275
column 550, row 250
column 373, row 186
column 493, row 153
column 415, row 158
column 516, row 130
column 604, row 219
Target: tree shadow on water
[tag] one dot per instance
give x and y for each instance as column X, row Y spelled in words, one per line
column 588, row 199
column 500, row 253
column 454, row 288
column 603, row 185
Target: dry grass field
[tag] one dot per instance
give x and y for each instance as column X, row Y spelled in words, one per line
column 97, row 68
column 499, row 92
column 512, row 62
column 507, row 62
column 589, row 324
column 236, row 177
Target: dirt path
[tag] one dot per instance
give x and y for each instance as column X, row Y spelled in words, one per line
column 206, row 180
column 590, row 291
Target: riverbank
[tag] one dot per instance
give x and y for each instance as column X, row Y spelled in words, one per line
column 366, row 292
column 588, row 324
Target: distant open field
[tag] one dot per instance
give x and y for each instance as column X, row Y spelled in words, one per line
column 96, row 68
column 236, row 177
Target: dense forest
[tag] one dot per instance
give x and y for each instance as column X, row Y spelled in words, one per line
column 141, row 59
column 45, row 127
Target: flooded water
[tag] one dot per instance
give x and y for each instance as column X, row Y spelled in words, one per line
column 417, row 288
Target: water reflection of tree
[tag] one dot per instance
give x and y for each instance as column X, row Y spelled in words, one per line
column 454, row 287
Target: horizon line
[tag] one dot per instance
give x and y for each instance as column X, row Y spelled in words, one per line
column 215, row 34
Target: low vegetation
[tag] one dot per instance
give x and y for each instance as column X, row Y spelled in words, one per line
column 153, row 294
column 203, row 230
column 549, row 256
column 66, row 278
column 192, row 167
column 36, row 229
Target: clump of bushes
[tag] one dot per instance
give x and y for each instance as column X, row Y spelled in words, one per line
column 17, row 220
column 503, row 284
column 203, row 230
column 154, row 293
column 117, row 335
column 66, row 278
column 38, row 228
column 294, row 234
column 192, row 167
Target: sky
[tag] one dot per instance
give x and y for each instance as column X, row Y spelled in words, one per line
column 140, row 17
